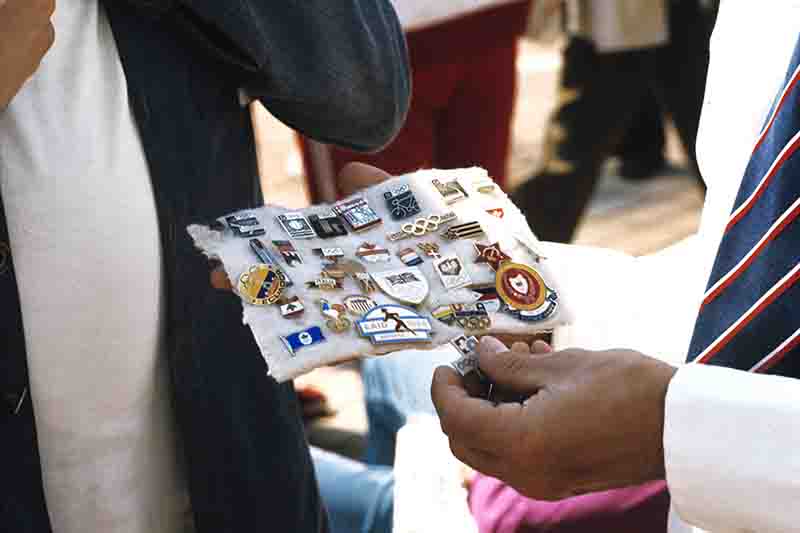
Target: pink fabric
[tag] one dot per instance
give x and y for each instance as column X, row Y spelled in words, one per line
column 500, row 509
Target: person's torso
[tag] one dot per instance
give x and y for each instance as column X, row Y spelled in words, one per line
column 751, row 48
column 83, row 228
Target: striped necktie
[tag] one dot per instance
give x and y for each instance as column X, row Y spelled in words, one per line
column 747, row 319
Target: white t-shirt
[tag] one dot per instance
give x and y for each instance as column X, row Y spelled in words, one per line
column 84, row 235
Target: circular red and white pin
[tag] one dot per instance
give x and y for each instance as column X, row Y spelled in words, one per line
column 520, row 286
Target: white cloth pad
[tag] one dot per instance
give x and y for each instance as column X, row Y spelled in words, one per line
column 268, row 325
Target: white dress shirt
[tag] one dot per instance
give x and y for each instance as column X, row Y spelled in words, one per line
column 731, row 439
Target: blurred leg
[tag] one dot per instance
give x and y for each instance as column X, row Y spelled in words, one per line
column 641, row 150
column 598, row 96
column 396, row 386
column 475, row 127
column 359, row 498
column 680, row 76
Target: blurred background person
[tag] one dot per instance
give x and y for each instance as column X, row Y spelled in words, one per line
column 463, row 58
column 621, row 54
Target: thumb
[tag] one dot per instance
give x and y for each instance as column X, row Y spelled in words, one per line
column 513, row 370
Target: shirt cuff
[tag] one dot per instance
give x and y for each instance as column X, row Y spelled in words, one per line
column 730, row 448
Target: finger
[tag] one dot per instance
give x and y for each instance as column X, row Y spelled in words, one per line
column 511, row 370
column 493, row 344
column 510, row 338
column 521, row 347
column 356, row 176
column 541, row 347
column 472, row 422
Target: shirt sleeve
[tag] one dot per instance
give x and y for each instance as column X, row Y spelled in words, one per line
column 337, row 72
column 730, row 445
column 615, row 300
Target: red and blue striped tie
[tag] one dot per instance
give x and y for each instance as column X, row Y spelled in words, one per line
column 750, row 315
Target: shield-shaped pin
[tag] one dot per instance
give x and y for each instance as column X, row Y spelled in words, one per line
column 406, row 285
column 452, row 272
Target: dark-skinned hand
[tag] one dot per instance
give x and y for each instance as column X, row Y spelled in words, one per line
column 591, row 421
column 26, row 35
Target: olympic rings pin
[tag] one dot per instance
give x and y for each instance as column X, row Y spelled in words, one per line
column 422, row 226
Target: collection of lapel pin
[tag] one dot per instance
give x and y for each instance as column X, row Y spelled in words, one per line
column 518, row 289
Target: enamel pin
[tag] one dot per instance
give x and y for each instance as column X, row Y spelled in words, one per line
column 389, row 324
column 490, row 302
column 421, row 226
column 365, row 282
column 468, row 230
column 297, row 226
column 327, row 225
column 452, row 272
column 261, row 252
column 357, row 213
column 409, row 257
column 245, row 225
column 520, row 286
column 330, row 255
column 357, row 271
column 291, row 308
column 337, row 322
column 483, row 184
column 451, row 191
column 401, row 202
column 465, row 345
column 265, row 257
column 545, row 311
column 303, row 339
column 359, row 305
column 491, row 254
column 468, row 360
column 324, row 284
column 467, row 316
column 261, row 285
column 430, row 249
column 407, row 285
column 372, row 253
column 287, row 250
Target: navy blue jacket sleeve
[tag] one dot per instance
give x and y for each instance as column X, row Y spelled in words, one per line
column 335, row 70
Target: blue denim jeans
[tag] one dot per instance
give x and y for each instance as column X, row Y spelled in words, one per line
column 360, row 496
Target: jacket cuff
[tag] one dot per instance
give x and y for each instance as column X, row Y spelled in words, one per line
column 730, row 448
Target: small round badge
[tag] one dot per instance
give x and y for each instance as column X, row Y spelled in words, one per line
column 262, row 285
column 520, row 286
